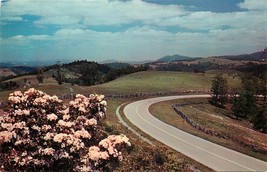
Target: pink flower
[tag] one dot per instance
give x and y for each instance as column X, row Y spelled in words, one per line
column 18, row 112
column 17, row 93
column 49, row 136
column 35, row 127
column 65, row 124
column 95, row 154
column 26, row 112
column 46, row 127
column 59, row 137
column 30, row 92
column 99, row 98
column 39, row 100
column 85, row 168
column 64, row 155
column 82, row 133
column 82, row 109
column 66, row 117
column 19, row 125
column 52, row 117
column 18, row 142
column 49, row 151
column 104, row 103
column 14, row 99
column 64, row 112
column 6, row 136
column 7, row 126
column 91, row 121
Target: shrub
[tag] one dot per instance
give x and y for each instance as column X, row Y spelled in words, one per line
column 40, row 133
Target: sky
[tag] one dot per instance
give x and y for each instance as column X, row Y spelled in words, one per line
column 129, row 30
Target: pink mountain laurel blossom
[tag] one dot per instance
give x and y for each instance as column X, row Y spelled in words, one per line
column 40, row 133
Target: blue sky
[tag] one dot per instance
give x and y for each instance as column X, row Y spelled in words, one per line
column 130, row 30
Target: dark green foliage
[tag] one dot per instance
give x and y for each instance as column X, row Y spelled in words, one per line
column 117, row 65
column 262, row 87
column 260, row 120
column 90, row 75
column 8, row 85
column 258, row 70
column 244, row 105
column 115, row 73
column 219, row 90
column 179, row 66
column 40, row 76
column 93, row 73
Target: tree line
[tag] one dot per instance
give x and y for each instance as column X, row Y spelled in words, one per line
column 247, row 102
column 91, row 73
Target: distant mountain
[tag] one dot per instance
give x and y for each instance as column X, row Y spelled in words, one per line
column 257, row 56
column 117, row 65
column 138, row 62
column 7, row 64
column 108, row 61
column 172, row 58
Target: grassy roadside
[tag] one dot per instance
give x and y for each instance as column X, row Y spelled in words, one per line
column 213, row 118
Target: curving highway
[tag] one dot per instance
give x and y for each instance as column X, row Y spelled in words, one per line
column 212, row 155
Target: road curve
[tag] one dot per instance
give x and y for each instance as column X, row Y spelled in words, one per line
column 212, row 155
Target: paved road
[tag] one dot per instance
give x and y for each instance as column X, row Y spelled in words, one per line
column 212, row 155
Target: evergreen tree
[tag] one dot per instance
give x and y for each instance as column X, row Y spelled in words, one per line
column 244, row 105
column 219, row 90
column 260, row 120
column 40, row 76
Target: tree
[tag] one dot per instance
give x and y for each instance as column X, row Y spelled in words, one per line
column 262, row 88
column 260, row 120
column 244, row 105
column 219, row 90
column 40, row 76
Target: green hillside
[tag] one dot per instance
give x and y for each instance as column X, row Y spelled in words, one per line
column 161, row 81
column 140, row 82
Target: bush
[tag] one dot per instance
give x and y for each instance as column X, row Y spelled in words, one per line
column 40, row 133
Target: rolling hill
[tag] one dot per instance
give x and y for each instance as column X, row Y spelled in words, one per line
column 260, row 56
column 175, row 57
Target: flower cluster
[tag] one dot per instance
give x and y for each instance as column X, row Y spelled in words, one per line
column 94, row 105
column 107, row 149
column 40, row 133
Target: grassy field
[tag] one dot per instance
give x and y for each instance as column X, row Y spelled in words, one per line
column 156, row 81
column 212, row 118
column 140, row 82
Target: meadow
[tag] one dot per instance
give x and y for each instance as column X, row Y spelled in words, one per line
column 140, row 82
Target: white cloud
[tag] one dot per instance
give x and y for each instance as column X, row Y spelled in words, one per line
column 206, row 20
column 254, row 4
column 91, row 12
column 141, row 43
column 11, row 18
column 59, row 20
column 31, row 37
column 221, row 33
